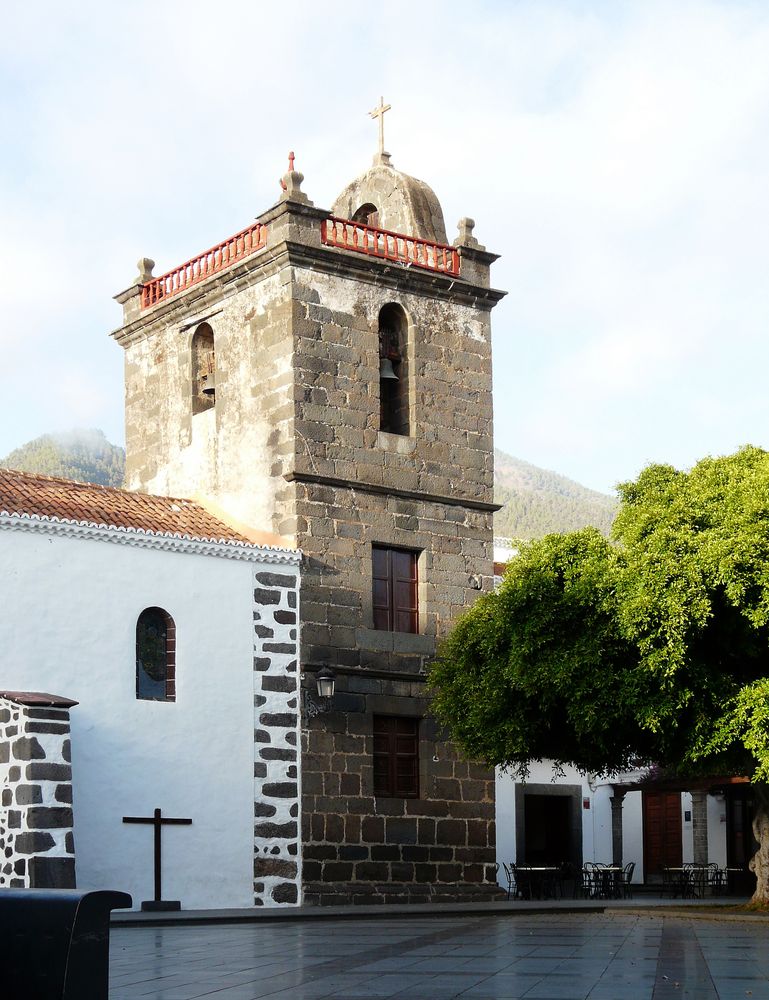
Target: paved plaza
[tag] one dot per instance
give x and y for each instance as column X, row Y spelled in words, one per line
column 618, row 956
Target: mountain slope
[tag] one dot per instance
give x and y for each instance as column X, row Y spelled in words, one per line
column 537, row 502
column 84, row 455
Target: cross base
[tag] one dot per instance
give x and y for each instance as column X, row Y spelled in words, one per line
column 161, row 904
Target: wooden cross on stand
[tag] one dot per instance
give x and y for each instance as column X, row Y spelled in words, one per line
column 380, row 113
column 158, row 822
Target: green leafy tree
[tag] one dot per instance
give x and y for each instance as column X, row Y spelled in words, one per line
column 657, row 647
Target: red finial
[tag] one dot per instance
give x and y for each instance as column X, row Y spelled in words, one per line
column 290, row 169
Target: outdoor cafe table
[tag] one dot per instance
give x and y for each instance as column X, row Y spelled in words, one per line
column 677, row 879
column 728, row 878
column 688, row 881
column 610, row 886
column 605, row 881
column 537, row 882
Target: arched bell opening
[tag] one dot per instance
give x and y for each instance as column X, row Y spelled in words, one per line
column 367, row 215
column 394, row 408
column 203, row 369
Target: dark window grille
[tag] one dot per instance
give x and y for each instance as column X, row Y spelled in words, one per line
column 395, row 587
column 155, row 656
column 396, row 757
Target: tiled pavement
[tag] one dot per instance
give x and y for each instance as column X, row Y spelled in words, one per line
column 541, row 957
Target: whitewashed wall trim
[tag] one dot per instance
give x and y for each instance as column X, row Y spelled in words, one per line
column 36, row 841
column 149, row 539
column 277, row 775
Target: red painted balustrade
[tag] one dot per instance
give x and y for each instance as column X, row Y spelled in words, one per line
column 205, row 264
column 409, row 250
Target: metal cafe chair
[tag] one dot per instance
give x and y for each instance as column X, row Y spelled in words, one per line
column 716, row 879
column 695, row 879
column 512, row 885
column 675, row 881
column 627, row 880
column 582, row 884
column 591, row 880
column 525, row 881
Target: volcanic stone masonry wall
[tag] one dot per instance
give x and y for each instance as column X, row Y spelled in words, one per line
column 360, row 848
column 36, row 843
column 277, row 855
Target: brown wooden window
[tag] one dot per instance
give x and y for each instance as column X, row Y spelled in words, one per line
column 155, row 656
column 395, row 589
column 396, row 757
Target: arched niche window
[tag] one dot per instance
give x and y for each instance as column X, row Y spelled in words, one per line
column 203, row 369
column 367, row 215
column 394, row 417
column 155, row 656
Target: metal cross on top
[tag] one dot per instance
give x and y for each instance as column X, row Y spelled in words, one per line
column 380, row 113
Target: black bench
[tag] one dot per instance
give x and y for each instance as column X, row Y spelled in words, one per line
column 54, row 943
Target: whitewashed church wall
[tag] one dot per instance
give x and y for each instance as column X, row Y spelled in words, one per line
column 543, row 773
column 716, row 805
column 596, row 821
column 602, row 836
column 67, row 626
column 687, row 833
column 505, row 826
column 632, row 833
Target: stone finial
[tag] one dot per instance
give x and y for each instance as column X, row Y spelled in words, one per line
column 145, row 266
column 465, row 236
column 291, row 184
column 382, row 159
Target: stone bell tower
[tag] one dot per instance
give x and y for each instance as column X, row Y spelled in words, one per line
column 325, row 376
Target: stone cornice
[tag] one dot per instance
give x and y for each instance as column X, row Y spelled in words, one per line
column 244, row 551
column 392, row 274
column 204, row 295
column 355, row 484
column 328, row 260
column 413, row 677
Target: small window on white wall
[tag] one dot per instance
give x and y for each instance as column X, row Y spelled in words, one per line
column 155, row 656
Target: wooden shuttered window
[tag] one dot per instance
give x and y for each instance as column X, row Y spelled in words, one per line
column 395, row 589
column 396, row 757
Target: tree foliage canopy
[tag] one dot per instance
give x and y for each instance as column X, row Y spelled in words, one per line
column 654, row 647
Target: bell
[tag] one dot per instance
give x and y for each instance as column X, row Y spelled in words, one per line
column 386, row 369
column 209, row 384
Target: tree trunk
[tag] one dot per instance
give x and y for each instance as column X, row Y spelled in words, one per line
column 759, row 863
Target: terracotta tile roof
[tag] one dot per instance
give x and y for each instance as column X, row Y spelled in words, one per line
column 27, row 493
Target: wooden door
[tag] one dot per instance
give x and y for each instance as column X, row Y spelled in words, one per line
column 662, row 831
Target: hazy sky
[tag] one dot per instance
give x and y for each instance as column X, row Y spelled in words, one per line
column 615, row 154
